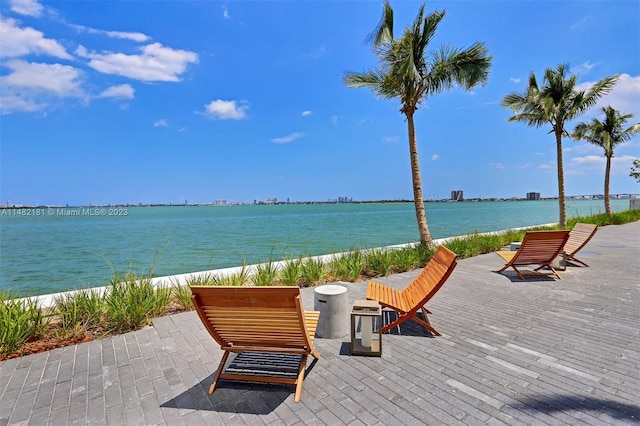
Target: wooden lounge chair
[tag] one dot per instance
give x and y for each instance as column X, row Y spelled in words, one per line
column 578, row 238
column 409, row 301
column 537, row 248
column 266, row 326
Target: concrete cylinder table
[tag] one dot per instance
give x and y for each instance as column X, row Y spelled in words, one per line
column 331, row 301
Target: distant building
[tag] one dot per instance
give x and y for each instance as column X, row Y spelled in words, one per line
column 457, row 195
column 533, row 195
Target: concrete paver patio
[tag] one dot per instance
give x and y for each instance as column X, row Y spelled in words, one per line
column 542, row 351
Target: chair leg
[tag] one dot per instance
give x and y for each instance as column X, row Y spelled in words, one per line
column 426, row 324
column 214, row 384
column 518, row 272
column 574, row 260
column 553, row 271
column 406, row 316
column 514, row 268
column 303, row 366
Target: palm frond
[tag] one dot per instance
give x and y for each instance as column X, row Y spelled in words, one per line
column 383, row 34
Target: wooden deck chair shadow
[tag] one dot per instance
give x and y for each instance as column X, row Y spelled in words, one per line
column 579, row 236
column 411, row 299
column 262, row 325
column 537, row 248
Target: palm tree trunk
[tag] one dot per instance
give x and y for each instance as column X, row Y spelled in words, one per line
column 561, row 196
column 607, row 202
column 421, row 216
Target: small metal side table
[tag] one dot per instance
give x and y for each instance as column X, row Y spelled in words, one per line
column 366, row 322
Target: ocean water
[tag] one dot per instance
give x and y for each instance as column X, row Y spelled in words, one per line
column 46, row 251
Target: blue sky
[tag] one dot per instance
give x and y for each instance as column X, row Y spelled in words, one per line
column 166, row 101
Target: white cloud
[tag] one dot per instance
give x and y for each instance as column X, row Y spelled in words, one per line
column 391, row 139
column 334, row 119
column 161, row 123
column 18, row 41
column 624, row 97
column 134, row 36
column 61, row 80
column 583, row 68
column 545, row 166
column 122, row 91
column 225, row 12
column 624, row 159
column 515, row 80
column 580, row 22
column 30, row 86
column 288, row 139
column 588, row 159
column 306, row 113
column 155, row 63
column 226, row 110
column 499, row 166
column 434, row 157
column 595, row 160
column 27, row 7
column 12, row 102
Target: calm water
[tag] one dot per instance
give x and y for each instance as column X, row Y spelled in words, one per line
column 63, row 249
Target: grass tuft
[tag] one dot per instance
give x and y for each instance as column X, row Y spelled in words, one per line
column 20, row 320
column 133, row 301
column 291, row 271
column 312, row 271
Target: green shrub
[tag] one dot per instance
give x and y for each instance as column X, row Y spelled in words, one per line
column 239, row 279
column 348, row 266
column 132, row 302
column 378, row 262
column 20, row 320
column 200, row 279
column 90, row 304
column 79, row 311
column 312, row 270
column 291, row 271
column 405, row 259
column 424, row 254
column 182, row 296
column 266, row 273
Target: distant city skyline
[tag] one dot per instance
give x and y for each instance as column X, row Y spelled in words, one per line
column 107, row 102
column 340, row 200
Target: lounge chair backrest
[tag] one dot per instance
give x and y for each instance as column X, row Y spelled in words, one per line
column 540, row 246
column 259, row 319
column 579, row 237
column 432, row 277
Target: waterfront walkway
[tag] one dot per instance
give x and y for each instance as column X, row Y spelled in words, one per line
column 543, row 351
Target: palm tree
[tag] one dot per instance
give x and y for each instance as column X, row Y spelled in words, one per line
column 409, row 72
column 606, row 134
column 556, row 102
column 635, row 170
